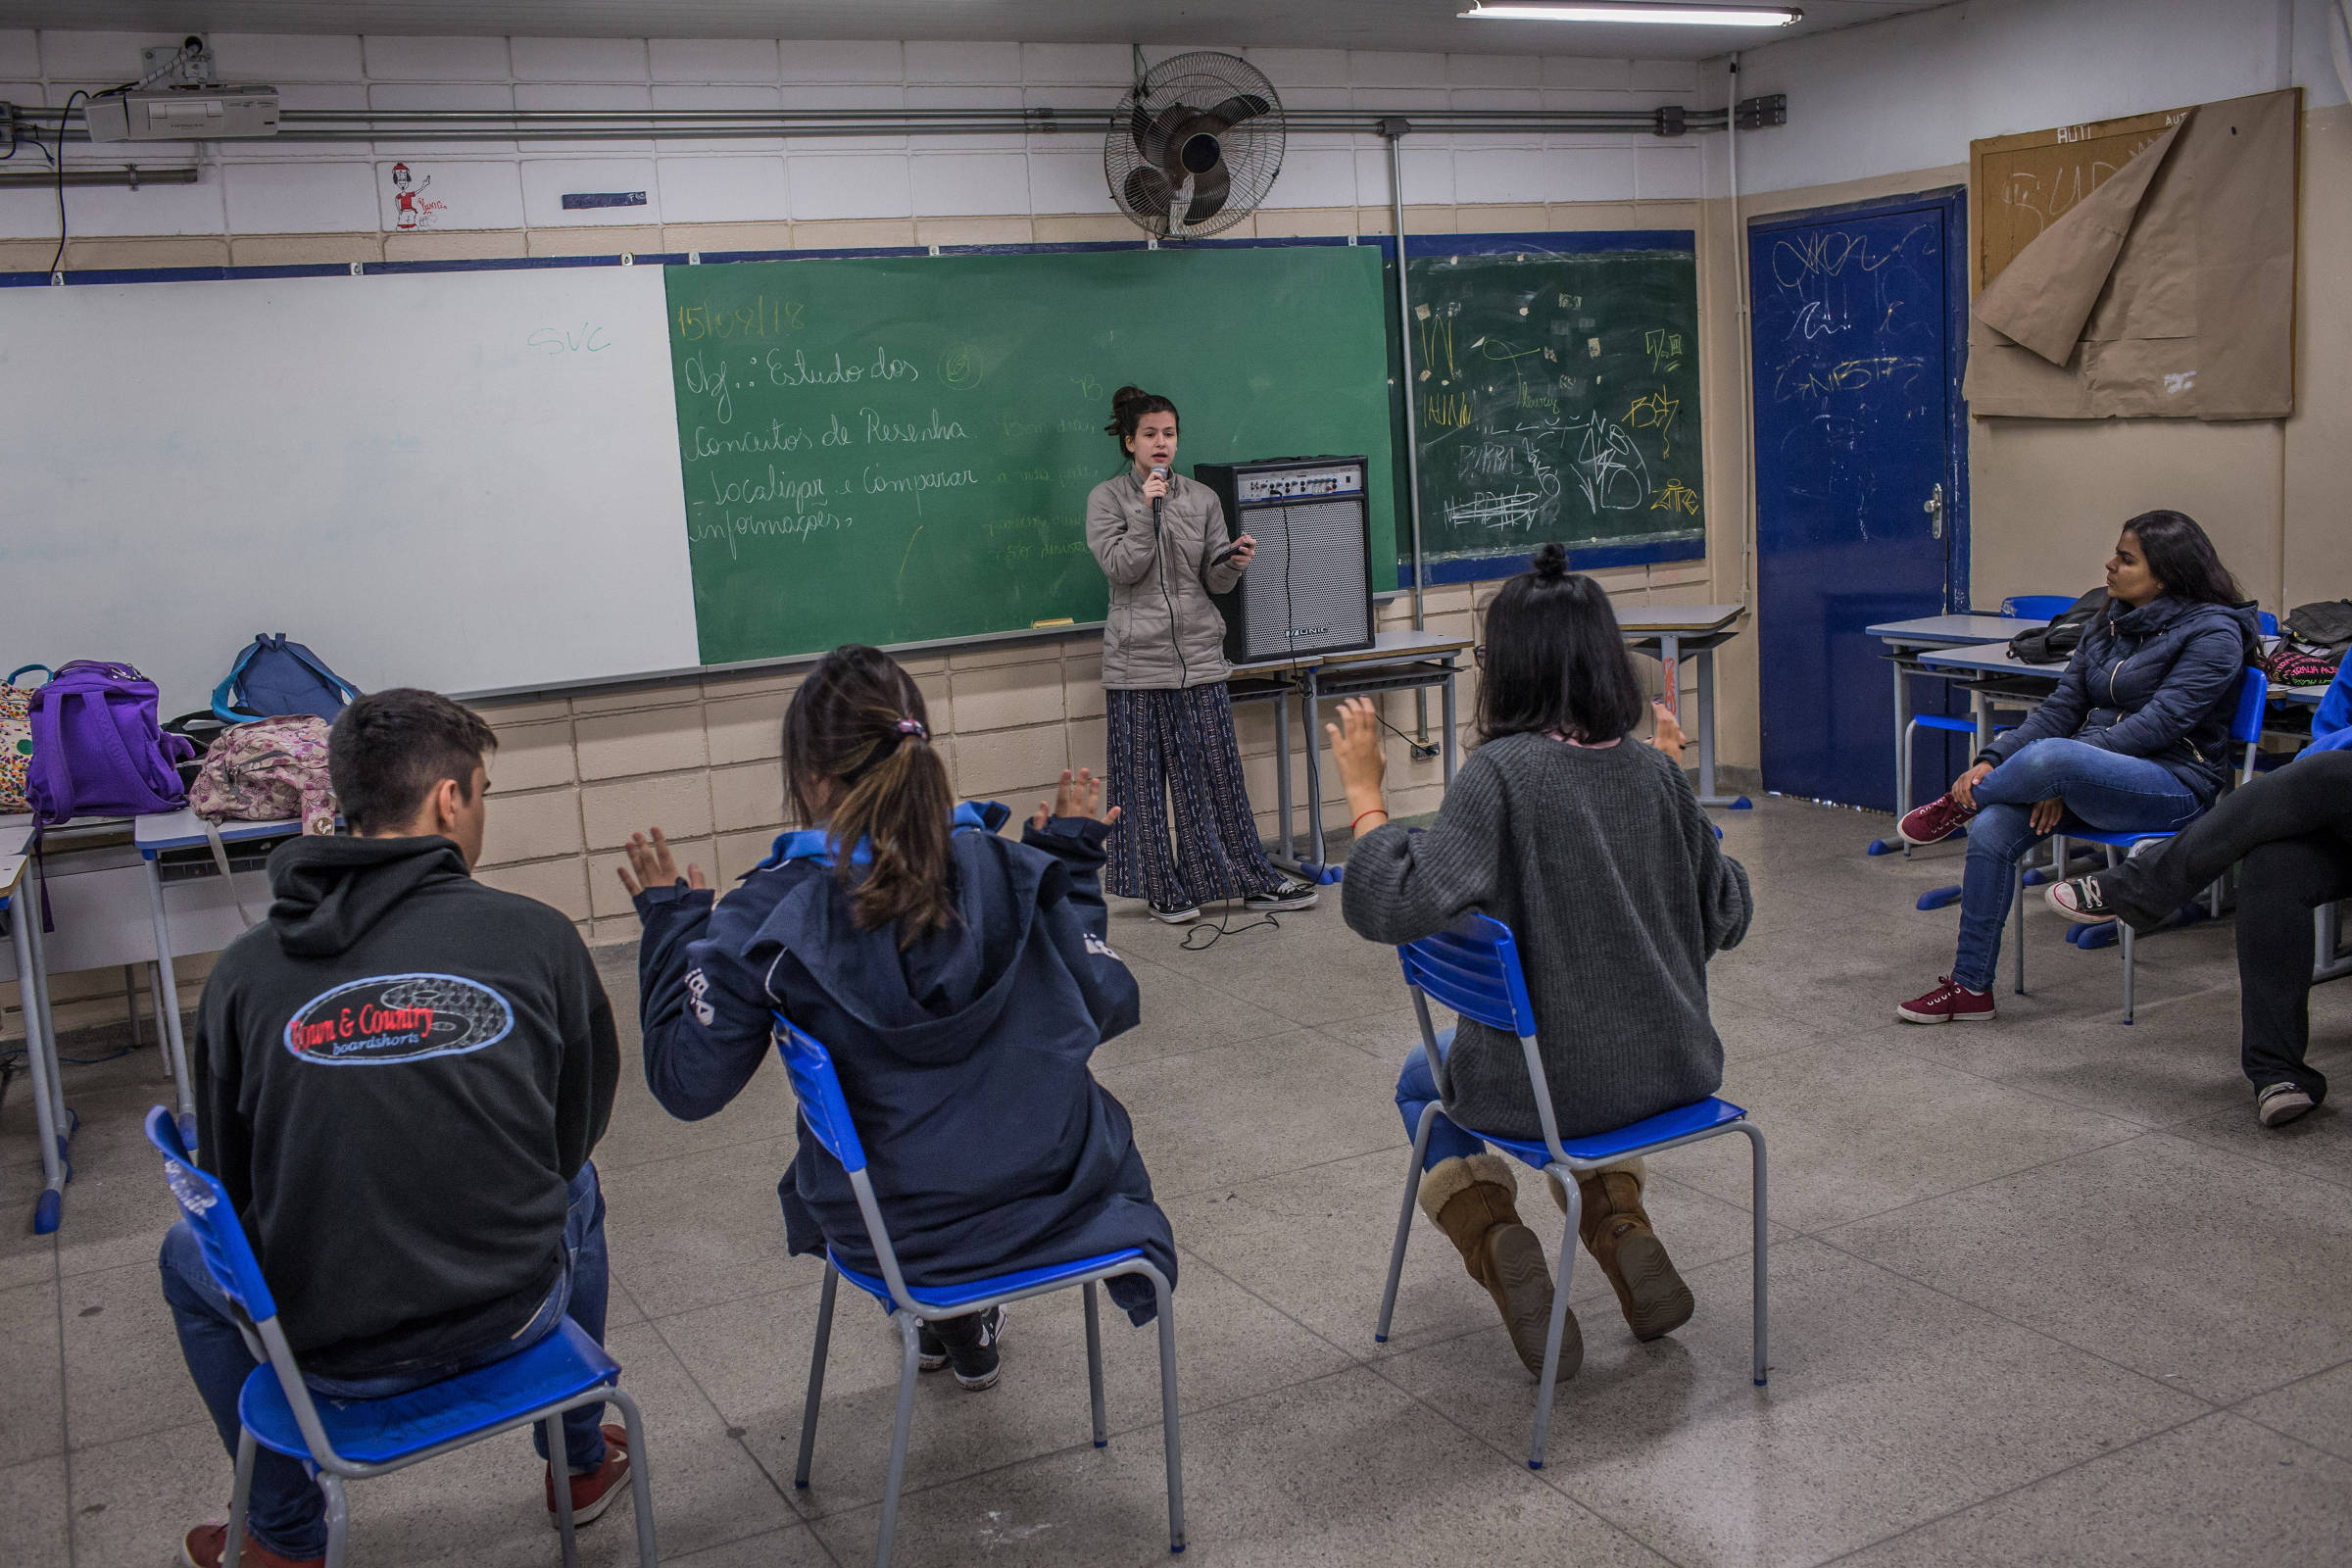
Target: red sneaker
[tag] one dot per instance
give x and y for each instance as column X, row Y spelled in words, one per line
column 1949, row 1003
column 204, row 1545
column 1936, row 821
column 593, row 1494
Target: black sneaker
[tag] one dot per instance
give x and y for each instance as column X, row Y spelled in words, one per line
column 969, row 1344
column 2081, row 900
column 1175, row 914
column 1289, row 894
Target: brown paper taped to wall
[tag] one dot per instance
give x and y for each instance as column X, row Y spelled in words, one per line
column 2165, row 290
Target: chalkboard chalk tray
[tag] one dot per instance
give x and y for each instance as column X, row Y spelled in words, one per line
column 1557, row 397
column 897, row 450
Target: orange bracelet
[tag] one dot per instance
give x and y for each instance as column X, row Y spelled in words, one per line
column 1360, row 815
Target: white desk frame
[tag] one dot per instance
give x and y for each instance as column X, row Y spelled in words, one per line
column 1905, row 641
column 51, row 1120
column 1696, row 630
column 182, row 830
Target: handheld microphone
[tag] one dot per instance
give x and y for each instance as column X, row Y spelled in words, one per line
column 1160, row 471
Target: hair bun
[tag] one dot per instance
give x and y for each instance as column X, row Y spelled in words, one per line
column 1551, row 562
column 1126, row 395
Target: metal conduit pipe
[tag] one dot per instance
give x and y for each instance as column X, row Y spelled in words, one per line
column 426, row 126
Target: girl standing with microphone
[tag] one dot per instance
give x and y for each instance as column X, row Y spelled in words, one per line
column 1162, row 542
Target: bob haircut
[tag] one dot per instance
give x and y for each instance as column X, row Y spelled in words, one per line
column 1554, row 659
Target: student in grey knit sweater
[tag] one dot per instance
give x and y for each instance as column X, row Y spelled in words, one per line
column 1592, row 849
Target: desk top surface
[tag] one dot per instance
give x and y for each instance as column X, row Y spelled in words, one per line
column 1951, row 631
column 1400, row 644
column 1656, row 618
column 1989, row 657
column 11, row 867
column 178, row 830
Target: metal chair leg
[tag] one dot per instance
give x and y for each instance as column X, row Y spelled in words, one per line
column 1559, row 1319
column 816, row 1377
column 898, row 1442
column 2016, row 913
column 338, row 1519
column 641, row 1480
column 2124, row 940
column 559, row 1469
column 1755, row 1141
column 239, row 1496
column 1405, row 1220
column 1171, row 1435
column 1094, row 1365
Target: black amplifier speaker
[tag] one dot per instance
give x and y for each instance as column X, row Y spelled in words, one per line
column 1309, row 589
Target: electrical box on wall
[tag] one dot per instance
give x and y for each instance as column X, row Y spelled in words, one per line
column 183, row 113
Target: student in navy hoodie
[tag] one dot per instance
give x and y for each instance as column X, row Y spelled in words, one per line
column 2135, row 740
column 961, row 981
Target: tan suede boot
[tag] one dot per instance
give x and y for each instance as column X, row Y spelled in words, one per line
column 1616, row 1232
column 1472, row 1201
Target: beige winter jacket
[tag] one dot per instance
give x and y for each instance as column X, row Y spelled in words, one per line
column 1152, row 573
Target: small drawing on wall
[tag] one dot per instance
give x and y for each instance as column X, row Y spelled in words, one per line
column 407, row 195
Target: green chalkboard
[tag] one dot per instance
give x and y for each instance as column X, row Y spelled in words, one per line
column 1556, row 398
column 899, row 449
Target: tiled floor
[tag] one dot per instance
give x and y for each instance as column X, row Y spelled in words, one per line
column 2042, row 1293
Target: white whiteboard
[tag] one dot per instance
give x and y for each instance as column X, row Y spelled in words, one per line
column 468, row 481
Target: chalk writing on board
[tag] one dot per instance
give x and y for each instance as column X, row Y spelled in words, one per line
column 1557, row 398
column 834, row 371
column 757, row 317
column 1609, row 466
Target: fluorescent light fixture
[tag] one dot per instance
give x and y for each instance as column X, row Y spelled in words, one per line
column 1636, row 10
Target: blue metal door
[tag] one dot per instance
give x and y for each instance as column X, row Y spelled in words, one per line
column 1858, row 317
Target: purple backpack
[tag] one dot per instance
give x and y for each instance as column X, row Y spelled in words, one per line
column 97, row 750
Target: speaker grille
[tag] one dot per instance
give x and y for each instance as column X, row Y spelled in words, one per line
column 1307, row 580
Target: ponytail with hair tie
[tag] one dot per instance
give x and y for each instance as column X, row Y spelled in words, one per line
column 844, row 748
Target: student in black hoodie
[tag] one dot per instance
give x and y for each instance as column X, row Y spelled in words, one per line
column 960, row 982
column 399, row 1078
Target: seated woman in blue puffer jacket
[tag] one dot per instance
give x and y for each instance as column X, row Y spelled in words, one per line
column 2135, row 740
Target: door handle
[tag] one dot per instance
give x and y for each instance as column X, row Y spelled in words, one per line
column 1934, row 508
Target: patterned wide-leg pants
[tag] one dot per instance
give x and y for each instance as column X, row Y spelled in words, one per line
column 1180, row 743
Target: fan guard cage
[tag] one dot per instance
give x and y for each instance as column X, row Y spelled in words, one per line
column 1194, row 146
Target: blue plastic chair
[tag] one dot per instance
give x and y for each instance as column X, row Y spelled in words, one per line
column 342, row 1440
column 2037, row 607
column 2245, row 730
column 826, row 1111
column 1474, row 969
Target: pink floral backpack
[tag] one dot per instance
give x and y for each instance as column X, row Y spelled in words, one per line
column 267, row 772
column 15, row 741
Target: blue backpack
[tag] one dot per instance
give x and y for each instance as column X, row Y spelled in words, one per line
column 273, row 677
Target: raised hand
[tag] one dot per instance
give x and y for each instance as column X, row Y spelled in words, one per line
column 1669, row 737
column 655, row 866
column 1080, row 796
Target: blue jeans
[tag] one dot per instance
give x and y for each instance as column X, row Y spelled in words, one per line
column 1416, row 1088
column 2101, row 789
column 286, row 1512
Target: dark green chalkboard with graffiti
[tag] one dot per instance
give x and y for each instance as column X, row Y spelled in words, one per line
column 1557, row 397
column 899, row 449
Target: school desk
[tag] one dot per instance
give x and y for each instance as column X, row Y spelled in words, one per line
column 1696, row 630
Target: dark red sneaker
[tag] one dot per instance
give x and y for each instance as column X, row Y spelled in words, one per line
column 1936, row 821
column 1949, row 1003
column 204, row 1545
column 593, row 1494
